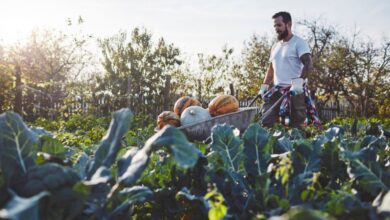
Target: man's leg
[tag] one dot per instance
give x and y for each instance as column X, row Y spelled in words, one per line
column 298, row 110
column 271, row 116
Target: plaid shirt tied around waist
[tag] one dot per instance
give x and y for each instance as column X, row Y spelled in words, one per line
column 285, row 107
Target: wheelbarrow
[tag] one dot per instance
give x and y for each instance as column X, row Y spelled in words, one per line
column 240, row 119
column 201, row 131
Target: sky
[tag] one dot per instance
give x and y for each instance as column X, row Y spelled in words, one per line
column 195, row 26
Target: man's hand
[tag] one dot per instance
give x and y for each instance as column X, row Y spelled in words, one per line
column 263, row 89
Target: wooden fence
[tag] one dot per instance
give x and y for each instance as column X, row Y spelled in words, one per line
column 103, row 107
column 325, row 113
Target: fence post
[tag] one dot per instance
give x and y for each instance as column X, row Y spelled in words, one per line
column 166, row 92
column 18, row 90
column 231, row 87
column 199, row 90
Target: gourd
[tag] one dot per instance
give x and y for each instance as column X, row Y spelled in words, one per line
column 194, row 114
column 167, row 117
column 223, row 104
column 184, row 102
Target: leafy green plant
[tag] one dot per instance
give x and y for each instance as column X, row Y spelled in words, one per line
column 284, row 169
column 340, row 173
column 68, row 190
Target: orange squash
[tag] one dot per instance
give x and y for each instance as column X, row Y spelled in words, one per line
column 223, row 104
column 167, row 117
column 183, row 103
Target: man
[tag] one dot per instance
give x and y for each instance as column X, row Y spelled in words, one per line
column 290, row 61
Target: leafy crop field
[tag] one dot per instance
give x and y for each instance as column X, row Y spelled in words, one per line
column 79, row 170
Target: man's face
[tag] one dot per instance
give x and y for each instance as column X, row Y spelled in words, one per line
column 281, row 28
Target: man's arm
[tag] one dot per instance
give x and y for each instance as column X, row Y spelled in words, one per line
column 307, row 65
column 269, row 76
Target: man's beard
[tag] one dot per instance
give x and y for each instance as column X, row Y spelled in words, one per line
column 283, row 34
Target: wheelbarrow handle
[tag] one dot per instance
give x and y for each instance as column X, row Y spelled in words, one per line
column 253, row 101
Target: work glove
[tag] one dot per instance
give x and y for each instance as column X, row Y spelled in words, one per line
column 296, row 86
column 263, row 89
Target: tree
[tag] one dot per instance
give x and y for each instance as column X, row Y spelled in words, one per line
column 136, row 70
column 324, row 80
column 215, row 74
column 48, row 60
column 348, row 66
column 368, row 75
column 255, row 61
column 6, row 83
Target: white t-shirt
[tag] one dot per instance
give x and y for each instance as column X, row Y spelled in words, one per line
column 285, row 59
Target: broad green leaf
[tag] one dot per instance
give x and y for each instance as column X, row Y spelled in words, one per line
column 333, row 133
column 296, row 134
column 81, row 163
column 284, row 168
column 382, row 202
column 19, row 208
column 134, row 162
column 49, row 176
column 368, row 140
column 185, row 153
column 135, row 194
column 125, row 161
column 350, row 145
column 52, row 146
column 110, row 144
column 374, row 129
column 240, row 193
column 102, row 175
column 256, row 150
column 217, row 212
column 160, row 169
column 215, row 161
column 137, row 164
column 227, row 145
column 306, row 156
column 82, row 189
column 369, row 180
column 283, row 145
column 195, row 206
column 234, row 188
column 17, row 147
column 341, row 202
column 319, row 141
column 217, row 209
column 367, row 154
column 298, row 185
column 299, row 213
column 332, row 167
column 185, row 194
column 41, row 131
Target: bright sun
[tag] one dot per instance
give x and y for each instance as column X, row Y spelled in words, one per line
column 19, row 17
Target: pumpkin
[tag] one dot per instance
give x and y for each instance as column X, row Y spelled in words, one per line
column 223, row 104
column 184, row 102
column 194, row 114
column 167, row 117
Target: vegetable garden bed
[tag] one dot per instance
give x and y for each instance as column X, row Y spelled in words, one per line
column 341, row 173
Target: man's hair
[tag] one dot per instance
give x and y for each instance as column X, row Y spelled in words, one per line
column 285, row 15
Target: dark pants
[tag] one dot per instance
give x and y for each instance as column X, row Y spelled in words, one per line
column 270, row 110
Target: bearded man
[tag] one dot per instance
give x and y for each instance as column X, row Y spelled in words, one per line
column 290, row 63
